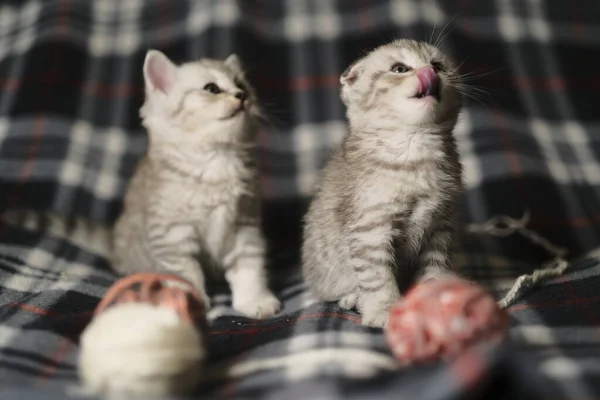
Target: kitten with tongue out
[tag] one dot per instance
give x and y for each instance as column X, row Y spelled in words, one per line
column 385, row 212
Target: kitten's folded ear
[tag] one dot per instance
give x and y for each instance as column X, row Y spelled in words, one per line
column 234, row 62
column 351, row 74
column 159, row 71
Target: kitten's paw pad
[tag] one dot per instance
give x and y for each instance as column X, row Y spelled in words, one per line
column 263, row 306
column 348, row 301
column 377, row 319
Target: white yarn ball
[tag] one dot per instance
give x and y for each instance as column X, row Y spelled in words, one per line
column 138, row 349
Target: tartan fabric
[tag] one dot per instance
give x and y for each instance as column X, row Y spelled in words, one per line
column 70, row 135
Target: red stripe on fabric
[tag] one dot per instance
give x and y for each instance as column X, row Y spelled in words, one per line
column 63, row 20
column 268, row 326
column 102, row 90
column 57, row 357
column 554, row 303
column 311, row 82
column 276, row 325
column 467, row 26
column 113, row 90
column 163, row 22
column 549, row 221
column 32, row 309
column 528, row 83
column 262, row 19
column 591, row 315
column 578, row 26
column 10, row 84
column 364, row 16
column 552, row 83
column 297, row 83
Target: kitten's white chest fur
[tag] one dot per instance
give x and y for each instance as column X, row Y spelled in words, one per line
column 208, row 202
column 403, row 182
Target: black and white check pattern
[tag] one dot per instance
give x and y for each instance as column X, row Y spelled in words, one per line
column 70, row 135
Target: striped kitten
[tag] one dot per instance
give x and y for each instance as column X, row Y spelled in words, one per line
column 192, row 201
column 389, row 196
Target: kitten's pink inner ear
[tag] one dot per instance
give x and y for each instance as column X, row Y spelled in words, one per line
column 350, row 75
column 159, row 71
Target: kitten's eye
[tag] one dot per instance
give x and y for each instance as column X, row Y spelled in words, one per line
column 212, row 88
column 399, row 68
column 437, row 65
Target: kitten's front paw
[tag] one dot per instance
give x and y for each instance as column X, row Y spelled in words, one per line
column 378, row 319
column 375, row 308
column 348, row 301
column 262, row 306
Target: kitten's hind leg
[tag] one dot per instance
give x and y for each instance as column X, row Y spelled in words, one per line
column 435, row 261
column 188, row 268
column 247, row 276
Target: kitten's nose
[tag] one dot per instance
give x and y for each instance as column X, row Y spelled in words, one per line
column 429, row 81
column 241, row 95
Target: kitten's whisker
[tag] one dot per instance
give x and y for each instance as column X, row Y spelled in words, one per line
column 461, row 84
column 270, row 119
column 479, row 98
column 429, row 40
column 479, row 74
column 471, row 89
column 457, row 68
column 473, row 92
column 440, row 39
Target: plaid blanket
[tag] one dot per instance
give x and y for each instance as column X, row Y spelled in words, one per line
column 70, row 136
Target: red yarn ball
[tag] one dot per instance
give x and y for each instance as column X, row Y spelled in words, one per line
column 160, row 290
column 440, row 318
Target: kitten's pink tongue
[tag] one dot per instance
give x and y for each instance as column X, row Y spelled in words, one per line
column 429, row 82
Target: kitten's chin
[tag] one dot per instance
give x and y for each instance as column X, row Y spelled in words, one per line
column 424, row 110
column 236, row 114
column 239, row 115
column 422, row 107
column 425, row 101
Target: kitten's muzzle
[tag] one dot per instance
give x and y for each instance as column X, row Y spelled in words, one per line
column 429, row 83
column 242, row 97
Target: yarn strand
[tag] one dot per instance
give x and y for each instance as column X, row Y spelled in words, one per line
column 504, row 226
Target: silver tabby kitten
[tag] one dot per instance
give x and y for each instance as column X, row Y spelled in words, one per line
column 389, row 196
column 192, row 201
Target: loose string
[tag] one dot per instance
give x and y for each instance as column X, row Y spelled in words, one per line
column 503, row 226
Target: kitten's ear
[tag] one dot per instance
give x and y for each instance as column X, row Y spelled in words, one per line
column 351, row 74
column 159, row 71
column 234, row 62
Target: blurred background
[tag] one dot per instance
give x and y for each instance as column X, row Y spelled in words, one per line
column 71, row 86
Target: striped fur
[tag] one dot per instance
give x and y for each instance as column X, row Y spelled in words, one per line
column 192, row 205
column 386, row 209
